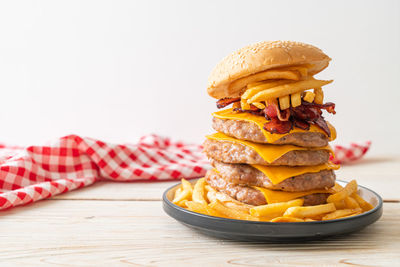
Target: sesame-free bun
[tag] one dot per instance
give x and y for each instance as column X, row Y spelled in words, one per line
column 260, row 57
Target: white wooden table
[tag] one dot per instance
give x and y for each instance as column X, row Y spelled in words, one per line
column 111, row 224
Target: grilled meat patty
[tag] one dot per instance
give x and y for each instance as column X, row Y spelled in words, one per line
column 243, row 174
column 230, row 152
column 250, row 195
column 250, row 131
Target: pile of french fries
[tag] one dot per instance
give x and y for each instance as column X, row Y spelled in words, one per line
column 286, row 86
column 202, row 198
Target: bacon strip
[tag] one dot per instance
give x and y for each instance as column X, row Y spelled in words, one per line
column 284, row 115
column 301, row 124
column 329, row 106
column 276, row 126
column 282, row 121
column 321, row 123
column 271, row 111
column 257, row 112
column 226, row 102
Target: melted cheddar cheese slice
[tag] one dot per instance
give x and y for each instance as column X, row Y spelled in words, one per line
column 268, row 152
column 228, row 114
column 272, row 196
column 277, row 174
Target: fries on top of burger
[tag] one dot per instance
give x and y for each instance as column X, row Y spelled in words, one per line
column 270, row 153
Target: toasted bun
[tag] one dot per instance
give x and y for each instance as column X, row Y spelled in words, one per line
column 260, row 57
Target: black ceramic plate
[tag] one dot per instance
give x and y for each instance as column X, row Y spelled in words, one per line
column 267, row 231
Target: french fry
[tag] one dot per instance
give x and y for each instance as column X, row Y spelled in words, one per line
column 287, row 89
column 349, row 189
column 198, row 192
column 185, row 192
column 286, row 219
column 339, row 204
column 319, row 96
column 262, row 76
column 208, row 188
column 309, row 220
column 351, row 203
column 340, row 213
column 187, row 185
column 180, row 195
column 236, row 105
column 238, row 206
column 259, row 105
column 309, row 211
column 309, row 97
column 284, row 102
column 363, row 204
column 203, row 209
column 182, row 203
column 337, row 187
column 254, row 88
column 244, row 105
column 276, row 209
column 178, row 192
column 197, row 207
column 231, row 213
column 296, row 99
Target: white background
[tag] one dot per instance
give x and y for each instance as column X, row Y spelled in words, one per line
column 116, row 70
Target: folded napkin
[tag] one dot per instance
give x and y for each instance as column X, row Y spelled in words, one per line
column 352, row 152
column 38, row 172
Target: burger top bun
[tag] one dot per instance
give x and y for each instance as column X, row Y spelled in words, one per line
column 259, row 57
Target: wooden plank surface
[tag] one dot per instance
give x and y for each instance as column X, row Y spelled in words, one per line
column 139, row 233
column 374, row 173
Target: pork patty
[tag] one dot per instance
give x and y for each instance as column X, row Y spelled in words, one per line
column 243, row 174
column 230, row 152
column 250, row 131
column 250, row 195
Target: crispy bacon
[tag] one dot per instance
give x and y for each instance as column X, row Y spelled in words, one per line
column 282, row 121
column 276, row 126
column 301, row 124
column 329, row 106
column 271, row 111
column 226, row 102
column 311, row 113
column 283, row 115
column 321, row 123
column 258, row 112
column 306, row 113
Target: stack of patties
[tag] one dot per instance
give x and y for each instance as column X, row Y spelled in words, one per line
column 272, row 145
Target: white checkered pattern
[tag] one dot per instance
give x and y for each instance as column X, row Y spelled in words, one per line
column 352, row 152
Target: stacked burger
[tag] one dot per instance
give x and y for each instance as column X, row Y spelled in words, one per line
column 272, row 140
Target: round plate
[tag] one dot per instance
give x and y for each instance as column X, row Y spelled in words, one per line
column 268, row 231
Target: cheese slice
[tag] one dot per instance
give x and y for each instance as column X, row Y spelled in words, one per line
column 272, row 196
column 268, row 152
column 277, row 174
column 228, row 114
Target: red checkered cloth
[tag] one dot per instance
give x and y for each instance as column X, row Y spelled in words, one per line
column 352, row 152
column 38, row 172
